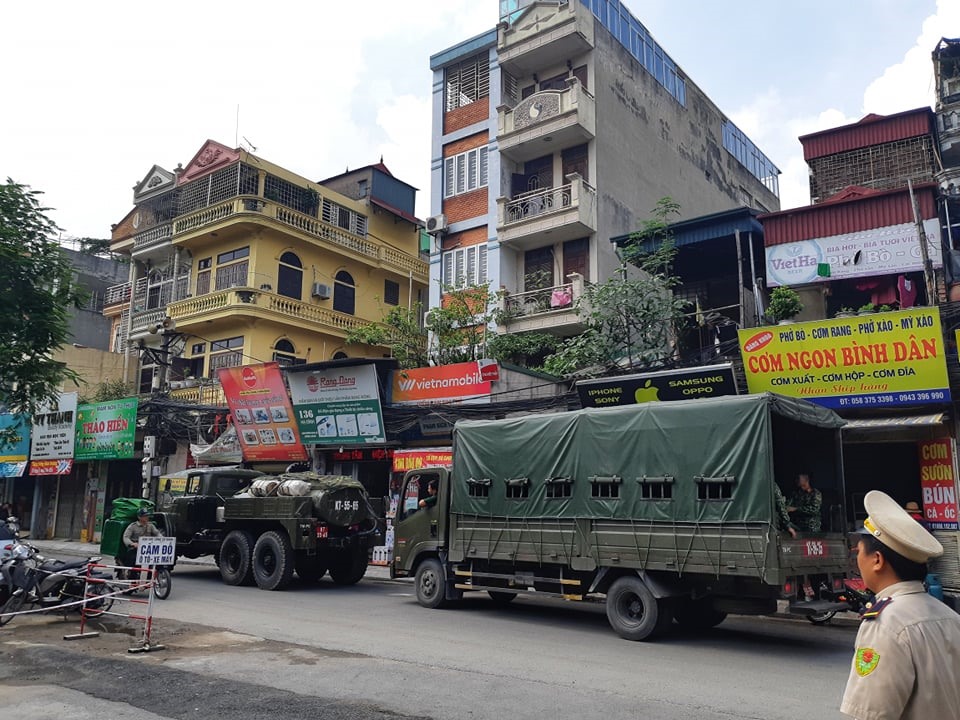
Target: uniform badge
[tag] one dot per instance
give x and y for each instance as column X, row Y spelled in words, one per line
column 866, row 661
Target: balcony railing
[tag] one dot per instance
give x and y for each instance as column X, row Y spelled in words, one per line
column 206, row 392
column 318, row 229
column 152, row 238
column 117, row 294
column 568, row 212
column 143, row 322
column 550, row 308
column 532, row 302
column 264, row 304
column 561, row 117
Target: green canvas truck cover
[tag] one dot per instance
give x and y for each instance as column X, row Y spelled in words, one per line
column 685, row 444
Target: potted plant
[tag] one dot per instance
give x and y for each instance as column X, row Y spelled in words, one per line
column 784, row 305
column 884, row 308
column 845, row 312
column 866, row 309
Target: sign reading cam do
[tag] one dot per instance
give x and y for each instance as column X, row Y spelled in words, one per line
column 878, row 360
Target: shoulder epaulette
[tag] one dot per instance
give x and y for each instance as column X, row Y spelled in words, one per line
column 875, row 608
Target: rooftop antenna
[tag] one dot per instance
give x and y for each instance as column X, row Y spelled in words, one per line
column 253, row 148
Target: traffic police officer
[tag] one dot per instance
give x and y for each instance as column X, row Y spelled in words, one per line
column 907, row 660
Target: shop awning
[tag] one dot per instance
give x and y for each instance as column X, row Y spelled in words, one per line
column 895, row 421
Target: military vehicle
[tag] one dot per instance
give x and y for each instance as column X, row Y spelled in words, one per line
column 666, row 511
column 330, row 526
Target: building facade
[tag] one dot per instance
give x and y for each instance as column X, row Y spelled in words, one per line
column 558, row 130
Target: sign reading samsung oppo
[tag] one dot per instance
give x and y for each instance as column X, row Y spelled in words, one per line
column 881, row 251
column 685, row 384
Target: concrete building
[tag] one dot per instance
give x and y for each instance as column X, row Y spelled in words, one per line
column 558, row 130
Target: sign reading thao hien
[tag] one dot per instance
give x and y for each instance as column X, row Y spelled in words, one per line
column 878, row 360
column 938, row 484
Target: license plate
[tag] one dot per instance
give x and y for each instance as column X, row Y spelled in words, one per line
column 814, row 548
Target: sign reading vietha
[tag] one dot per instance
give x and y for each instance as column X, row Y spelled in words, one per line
column 878, row 360
column 686, row 384
column 338, row 405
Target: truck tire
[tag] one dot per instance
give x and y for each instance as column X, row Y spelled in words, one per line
column 501, row 597
column 235, row 558
column 349, row 569
column 697, row 614
column 430, row 582
column 633, row 612
column 273, row 561
column 309, row 569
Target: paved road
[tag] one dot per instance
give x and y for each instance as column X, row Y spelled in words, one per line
column 372, row 644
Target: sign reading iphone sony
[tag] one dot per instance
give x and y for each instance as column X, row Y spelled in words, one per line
column 882, row 251
column 686, row 384
column 337, row 405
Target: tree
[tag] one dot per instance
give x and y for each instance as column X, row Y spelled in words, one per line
column 36, row 291
column 400, row 331
column 630, row 320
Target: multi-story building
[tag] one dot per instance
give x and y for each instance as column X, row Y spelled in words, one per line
column 237, row 261
column 946, row 67
column 558, row 130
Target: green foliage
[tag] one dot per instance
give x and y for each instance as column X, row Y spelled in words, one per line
column 36, row 291
column 98, row 247
column 401, row 332
column 459, row 328
column 867, row 308
column 631, row 318
column 107, row 390
column 784, row 304
column 884, row 308
column 525, row 349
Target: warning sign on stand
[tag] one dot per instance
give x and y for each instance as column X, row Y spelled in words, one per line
column 156, row 551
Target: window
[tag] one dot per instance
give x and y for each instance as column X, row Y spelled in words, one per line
column 232, row 255
column 344, row 293
column 204, row 264
column 518, row 488
column 465, row 266
column 344, row 218
column 340, row 355
column 230, row 276
column 606, row 487
column 656, row 488
column 362, row 188
column 285, row 354
column 715, row 488
column 465, row 172
column 576, row 258
column 290, row 276
column 391, row 292
column 198, row 348
column 559, row 487
column 478, row 487
column 146, row 380
column 466, row 81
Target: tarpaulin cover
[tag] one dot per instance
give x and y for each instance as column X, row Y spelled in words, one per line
column 126, row 508
column 687, row 445
column 337, row 499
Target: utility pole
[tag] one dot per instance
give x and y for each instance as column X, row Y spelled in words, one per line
column 928, row 276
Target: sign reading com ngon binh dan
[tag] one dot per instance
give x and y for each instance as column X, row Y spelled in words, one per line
column 878, row 360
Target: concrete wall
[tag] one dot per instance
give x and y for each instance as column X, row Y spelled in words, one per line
column 93, row 365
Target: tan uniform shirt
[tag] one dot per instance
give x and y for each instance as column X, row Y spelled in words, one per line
column 907, row 662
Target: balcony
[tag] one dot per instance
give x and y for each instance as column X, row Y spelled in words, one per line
column 551, row 215
column 252, row 303
column 546, row 34
column 143, row 322
column 248, row 213
column 199, row 392
column 115, row 298
column 149, row 241
column 545, row 121
column 552, row 309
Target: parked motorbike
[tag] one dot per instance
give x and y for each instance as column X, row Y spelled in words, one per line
column 855, row 598
column 29, row 579
column 9, row 536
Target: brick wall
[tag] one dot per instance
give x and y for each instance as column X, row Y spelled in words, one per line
column 473, row 236
column 465, row 206
column 461, row 117
column 468, row 143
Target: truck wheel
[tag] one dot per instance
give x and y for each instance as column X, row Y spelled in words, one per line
column 633, row 612
column 273, row 561
column 698, row 614
column 430, row 584
column 500, row 597
column 310, row 570
column 349, row 570
column 235, row 554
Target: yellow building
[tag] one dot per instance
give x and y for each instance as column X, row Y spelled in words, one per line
column 238, row 261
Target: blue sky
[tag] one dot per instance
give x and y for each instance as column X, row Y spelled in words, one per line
column 97, row 98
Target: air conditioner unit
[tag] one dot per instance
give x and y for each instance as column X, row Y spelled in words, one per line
column 427, row 316
column 437, row 224
column 321, row 290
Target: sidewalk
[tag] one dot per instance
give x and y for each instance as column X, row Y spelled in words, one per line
column 75, row 548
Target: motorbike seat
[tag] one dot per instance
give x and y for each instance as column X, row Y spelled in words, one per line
column 60, row 566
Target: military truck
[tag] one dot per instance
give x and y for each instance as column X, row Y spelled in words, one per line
column 263, row 539
column 665, row 511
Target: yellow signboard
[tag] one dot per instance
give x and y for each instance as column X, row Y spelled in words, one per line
column 876, row 360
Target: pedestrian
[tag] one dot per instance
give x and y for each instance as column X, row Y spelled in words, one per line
column 914, row 511
column 141, row 527
column 907, row 658
column 804, row 505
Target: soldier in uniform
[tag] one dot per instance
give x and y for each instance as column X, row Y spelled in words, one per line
column 804, row 505
column 907, row 659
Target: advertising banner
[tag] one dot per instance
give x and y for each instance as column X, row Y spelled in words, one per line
column 877, row 360
column 938, row 484
column 444, row 383
column 889, row 250
column 337, row 406
column 686, row 384
column 106, row 430
column 404, row 460
column 15, row 448
column 52, row 437
column 261, row 410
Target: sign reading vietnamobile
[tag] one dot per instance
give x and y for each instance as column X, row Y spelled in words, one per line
column 878, row 360
column 445, row 383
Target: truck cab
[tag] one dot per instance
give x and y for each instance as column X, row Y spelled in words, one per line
column 420, row 532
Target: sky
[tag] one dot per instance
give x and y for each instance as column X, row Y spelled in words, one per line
column 97, row 93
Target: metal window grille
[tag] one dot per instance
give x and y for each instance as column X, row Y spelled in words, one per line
column 290, row 195
column 391, row 292
column 225, row 360
column 656, row 488
column 344, row 218
column 232, row 275
column 467, row 81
